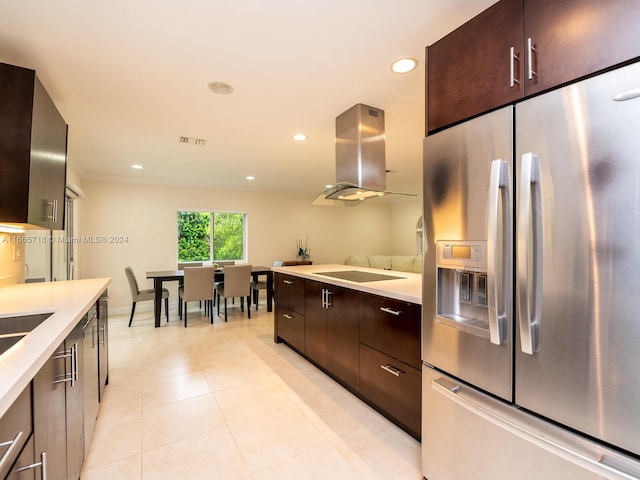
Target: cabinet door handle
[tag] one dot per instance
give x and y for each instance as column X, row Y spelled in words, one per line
column 512, row 67
column 392, row 312
column 67, row 354
column 328, row 301
column 530, row 50
column 104, row 336
column 288, row 282
column 287, row 316
column 9, row 456
column 42, row 463
column 391, row 369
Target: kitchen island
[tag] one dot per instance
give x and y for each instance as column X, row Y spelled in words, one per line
column 359, row 325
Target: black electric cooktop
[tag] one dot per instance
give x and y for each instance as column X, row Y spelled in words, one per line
column 358, row 276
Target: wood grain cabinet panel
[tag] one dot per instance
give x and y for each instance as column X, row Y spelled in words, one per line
column 518, row 48
column 33, row 152
column 393, row 386
column 391, row 326
column 468, row 71
column 576, row 38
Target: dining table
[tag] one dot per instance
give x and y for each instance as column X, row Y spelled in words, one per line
column 161, row 276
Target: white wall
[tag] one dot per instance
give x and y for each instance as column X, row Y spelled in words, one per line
column 404, row 217
column 146, row 216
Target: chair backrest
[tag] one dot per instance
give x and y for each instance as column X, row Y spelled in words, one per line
column 198, row 283
column 237, row 280
column 133, row 283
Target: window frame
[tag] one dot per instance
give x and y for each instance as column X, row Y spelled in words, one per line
column 213, row 212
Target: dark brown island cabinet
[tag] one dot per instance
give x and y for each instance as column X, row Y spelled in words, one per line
column 33, row 152
column 370, row 344
column 518, row 48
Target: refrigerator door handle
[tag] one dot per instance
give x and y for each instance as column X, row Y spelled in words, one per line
column 529, row 257
column 498, row 265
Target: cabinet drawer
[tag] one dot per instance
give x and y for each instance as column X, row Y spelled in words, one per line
column 391, row 326
column 289, row 292
column 290, row 327
column 15, row 425
column 393, row 386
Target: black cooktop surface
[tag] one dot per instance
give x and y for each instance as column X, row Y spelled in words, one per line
column 358, row 276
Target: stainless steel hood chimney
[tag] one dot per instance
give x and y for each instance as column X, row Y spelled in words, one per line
column 360, row 158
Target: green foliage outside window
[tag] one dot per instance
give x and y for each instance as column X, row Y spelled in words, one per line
column 195, row 232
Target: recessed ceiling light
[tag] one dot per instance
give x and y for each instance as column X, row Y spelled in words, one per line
column 137, row 166
column 221, row 88
column 404, row 65
column 299, row 137
column 251, row 177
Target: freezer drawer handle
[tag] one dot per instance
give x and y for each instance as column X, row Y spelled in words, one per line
column 529, row 247
column 397, row 313
column 392, row 370
column 564, row 445
column 499, row 251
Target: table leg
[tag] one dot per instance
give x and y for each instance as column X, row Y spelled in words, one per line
column 157, row 301
column 269, row 291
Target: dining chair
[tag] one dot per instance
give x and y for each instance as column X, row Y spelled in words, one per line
column 237, row 283
column 138, row 295
column 257, row 285
column 198, row 286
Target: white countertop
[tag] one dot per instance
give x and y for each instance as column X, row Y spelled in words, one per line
column 68, row 300
column 408, row 287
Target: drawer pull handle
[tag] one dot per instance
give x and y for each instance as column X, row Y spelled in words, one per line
column 11, row 453
column 42, row 463
column 287, row 316
column 288, row 282
column 391, row 369
column 392, row 312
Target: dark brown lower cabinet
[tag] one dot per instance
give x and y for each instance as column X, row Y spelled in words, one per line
column 290, row 327
column 393, row 386
column 74, row 404
column 58, row 415
column 343, row 336
column 315, row 322
column 24, row 468
column 369, row 343
column 49, row 415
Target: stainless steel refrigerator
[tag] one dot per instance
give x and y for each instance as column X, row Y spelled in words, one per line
column 531, row 301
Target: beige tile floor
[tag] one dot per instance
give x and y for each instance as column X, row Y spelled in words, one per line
column 224, row 401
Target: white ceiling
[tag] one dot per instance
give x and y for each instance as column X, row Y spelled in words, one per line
column 131, row 76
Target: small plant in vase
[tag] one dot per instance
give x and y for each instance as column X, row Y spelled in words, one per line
column 303, row 250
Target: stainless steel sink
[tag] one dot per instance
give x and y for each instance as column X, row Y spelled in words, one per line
column 14, row 329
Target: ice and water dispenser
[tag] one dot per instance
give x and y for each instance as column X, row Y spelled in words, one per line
column 462, row 299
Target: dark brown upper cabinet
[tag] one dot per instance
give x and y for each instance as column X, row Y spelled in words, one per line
column 33, row 152
column 518, row 48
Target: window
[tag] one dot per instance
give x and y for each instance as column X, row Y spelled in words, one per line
column 210, row 236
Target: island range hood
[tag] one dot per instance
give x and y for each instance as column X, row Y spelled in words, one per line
column 360, row 158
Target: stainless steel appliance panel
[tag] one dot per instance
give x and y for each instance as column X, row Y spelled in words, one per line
column 578, row 255
column 468, row 435
column 457, row 180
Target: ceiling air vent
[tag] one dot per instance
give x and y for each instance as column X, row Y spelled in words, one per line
column 192, row 140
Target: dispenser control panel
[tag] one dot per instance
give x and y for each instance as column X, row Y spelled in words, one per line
column 463, row 254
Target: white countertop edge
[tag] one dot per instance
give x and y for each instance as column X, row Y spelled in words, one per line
column 69, row 300
column 407, row 289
